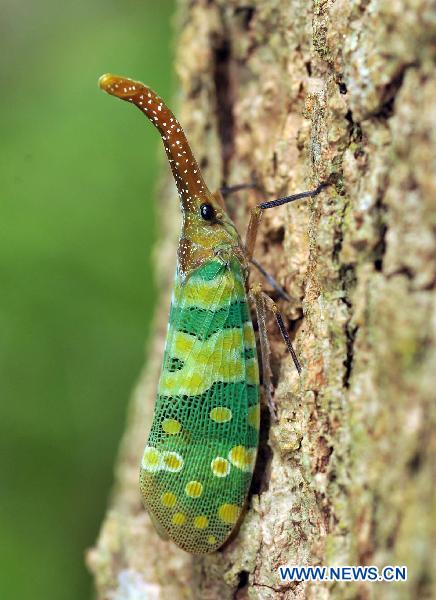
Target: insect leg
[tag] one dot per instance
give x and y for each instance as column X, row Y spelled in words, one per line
column 258, row 298
column 262, row 302
column 253, row 226
column 252, row 229
column 272, row 306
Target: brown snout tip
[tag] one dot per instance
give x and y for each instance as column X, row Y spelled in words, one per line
column 122, row 87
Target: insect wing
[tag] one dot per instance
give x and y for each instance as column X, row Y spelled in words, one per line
column 198, row 463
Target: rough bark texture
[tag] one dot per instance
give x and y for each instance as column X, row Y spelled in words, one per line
column 292, row 93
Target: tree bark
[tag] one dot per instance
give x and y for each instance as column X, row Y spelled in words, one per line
column 291, row 93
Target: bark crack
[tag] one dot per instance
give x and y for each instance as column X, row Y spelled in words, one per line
column 224, row 98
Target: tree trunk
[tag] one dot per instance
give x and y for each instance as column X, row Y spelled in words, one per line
column 290, row 93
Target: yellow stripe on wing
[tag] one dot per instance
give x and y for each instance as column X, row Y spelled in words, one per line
column 215, row 359
column 210, row 295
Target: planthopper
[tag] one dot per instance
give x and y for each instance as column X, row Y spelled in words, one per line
column 198, row 462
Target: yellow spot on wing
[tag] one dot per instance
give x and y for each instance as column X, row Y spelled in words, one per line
column 194, row 489
column 171, row 426
column 252, row 371
column 151, row 459
column 220, row 467
column 178, row 518
column 221, row 414
column 168, row 499
column 172, row 461
column 242, row 458
column 253, row 417
column 229, row 513
column 201, row 522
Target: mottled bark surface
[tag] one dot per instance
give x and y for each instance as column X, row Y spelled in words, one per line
column 291, row 93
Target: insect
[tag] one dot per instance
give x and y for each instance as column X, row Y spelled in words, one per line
column 197, row 465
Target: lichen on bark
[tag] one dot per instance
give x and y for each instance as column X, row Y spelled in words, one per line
column 291, row 93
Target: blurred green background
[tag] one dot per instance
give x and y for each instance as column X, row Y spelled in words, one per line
column 76, row 226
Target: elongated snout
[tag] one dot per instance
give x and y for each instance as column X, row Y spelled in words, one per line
column 190, row 184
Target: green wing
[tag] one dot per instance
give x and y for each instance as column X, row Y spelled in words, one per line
column 198, row 462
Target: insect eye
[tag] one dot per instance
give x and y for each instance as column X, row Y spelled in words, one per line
column 207, row 211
